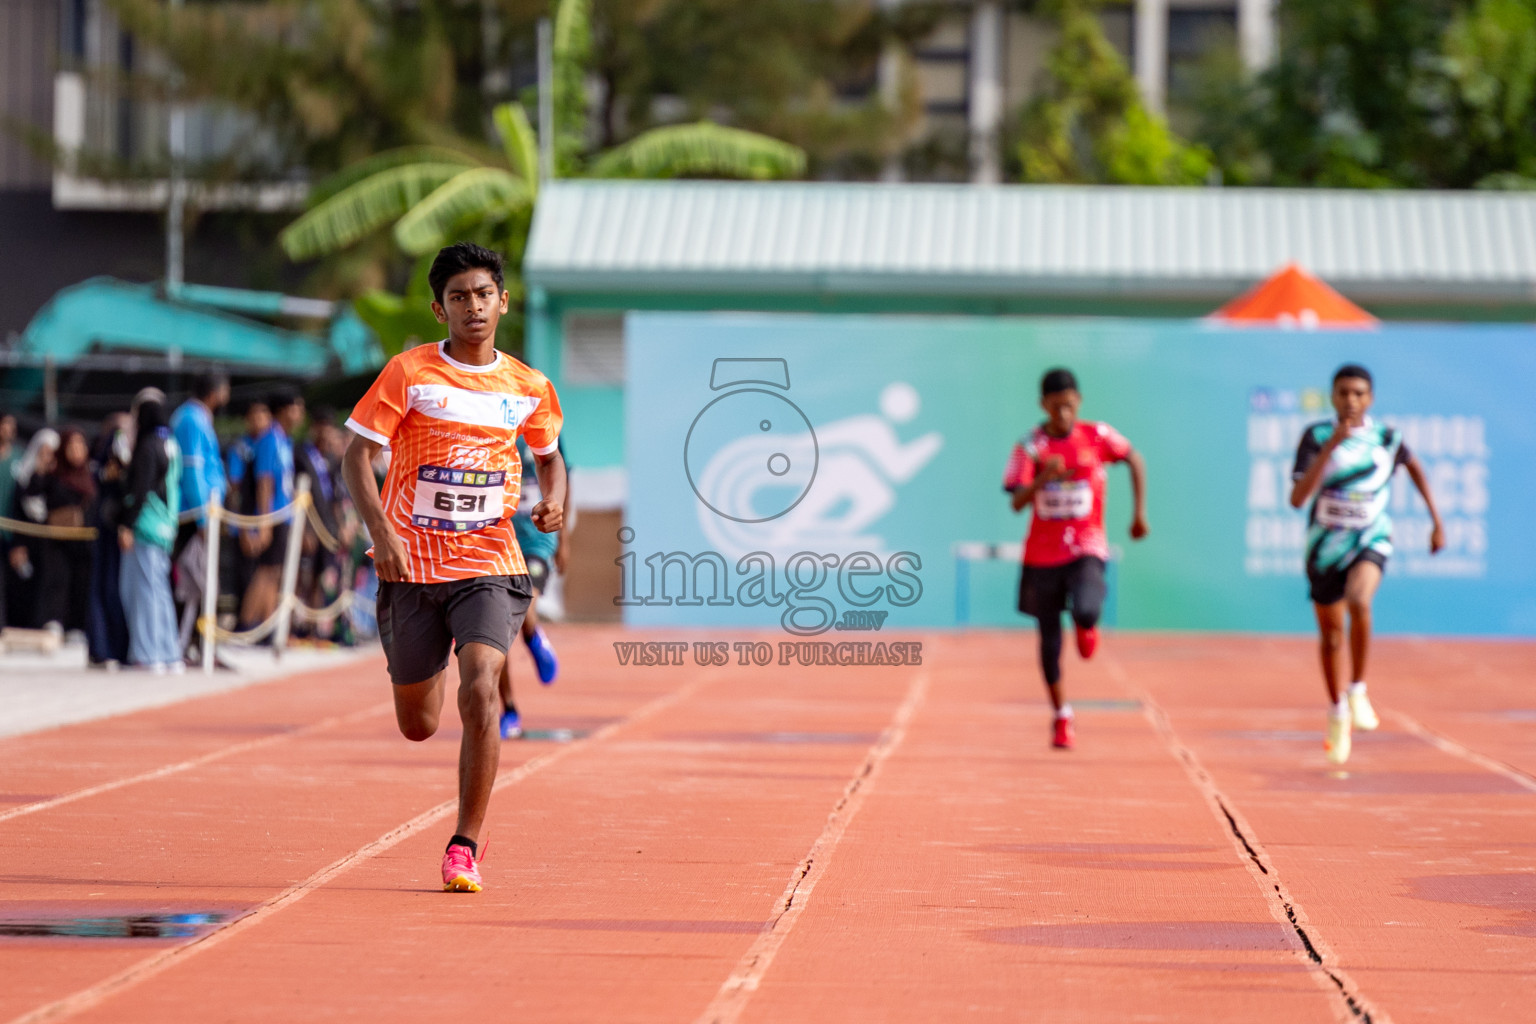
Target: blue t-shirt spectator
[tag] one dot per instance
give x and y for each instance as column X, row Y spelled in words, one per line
column 274, row 460
column 202, row 474
column 242, row 452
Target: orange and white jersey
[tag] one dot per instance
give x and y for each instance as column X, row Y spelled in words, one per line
column 455, row 476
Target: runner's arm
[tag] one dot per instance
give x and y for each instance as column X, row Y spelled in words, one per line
column 562, row 539
column 357, row 469
column 1138, row 468
column 1416, row 474
column 1025, row 493
column 549, row 514
column 1306, row 484
column 1051, row 469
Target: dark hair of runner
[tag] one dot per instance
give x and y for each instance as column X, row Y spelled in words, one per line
column 1356, row 371
column 1056, row 380
column 459, row 257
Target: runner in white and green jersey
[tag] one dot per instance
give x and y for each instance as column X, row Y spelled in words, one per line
column 1348, row 465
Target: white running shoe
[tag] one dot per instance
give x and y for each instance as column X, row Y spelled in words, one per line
column 1361, row 712
column 1337, row 742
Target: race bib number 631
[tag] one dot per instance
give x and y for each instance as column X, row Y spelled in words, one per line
column 457, row 500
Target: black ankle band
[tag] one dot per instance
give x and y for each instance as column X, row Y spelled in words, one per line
column 459, row 840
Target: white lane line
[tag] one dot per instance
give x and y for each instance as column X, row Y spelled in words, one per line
column 196, row 762
column 88, row 998
column 1348, row 1005
column 1450, row 746
column 737, row 991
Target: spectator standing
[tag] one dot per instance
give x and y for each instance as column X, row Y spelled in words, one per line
column 274, row 471
column 66, row 564
column 240, row 470
column 9, row 456
column 147, row 533
column 320, row 579
column 202, row 480
column 31, row 504
column 106, row 625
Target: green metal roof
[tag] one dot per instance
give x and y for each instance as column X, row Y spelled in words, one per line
column 807, row 237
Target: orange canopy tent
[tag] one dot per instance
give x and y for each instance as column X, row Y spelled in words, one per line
column 1294, row 298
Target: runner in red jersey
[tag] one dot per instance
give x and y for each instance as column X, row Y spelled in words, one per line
column 1059, row 469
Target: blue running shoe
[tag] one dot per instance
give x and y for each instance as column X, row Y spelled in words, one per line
column 511, row 724
column 543, row 656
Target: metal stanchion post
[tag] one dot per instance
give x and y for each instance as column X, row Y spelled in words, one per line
column 296, row 523
column 214, row 527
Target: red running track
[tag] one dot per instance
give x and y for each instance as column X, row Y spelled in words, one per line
column 828, row 844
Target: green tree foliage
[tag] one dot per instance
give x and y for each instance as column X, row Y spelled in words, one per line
column 1384, row 94
column 334, row 80
column 1490, row 59
column 1088, row 124
column 800, row 70
column 409, row 87
column 433, row 195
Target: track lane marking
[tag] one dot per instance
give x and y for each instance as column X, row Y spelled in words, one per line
column 93, row 996
column 196, row 762
column 1351, row 1006
column 737, row 990
column 1449, row 746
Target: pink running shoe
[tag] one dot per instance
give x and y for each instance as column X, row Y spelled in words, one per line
column 460, row 872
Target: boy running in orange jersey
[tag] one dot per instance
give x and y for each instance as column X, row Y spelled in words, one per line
column 451, row 575
column 1059, row 469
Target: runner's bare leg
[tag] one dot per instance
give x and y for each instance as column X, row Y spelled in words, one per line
column 531, row 617
column 419, row 706
column 1359, row 590
column 480, row 668
column 1330, row 626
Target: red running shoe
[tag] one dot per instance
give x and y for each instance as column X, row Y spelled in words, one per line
column 1061, row 734
column 460, row 872
column 1087, row 641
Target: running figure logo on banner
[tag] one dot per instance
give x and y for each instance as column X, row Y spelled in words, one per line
column 1453, row 449
column 768, row 481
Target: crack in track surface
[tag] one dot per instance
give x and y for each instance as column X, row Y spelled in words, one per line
column 1356, row 1007
column 1281, row 902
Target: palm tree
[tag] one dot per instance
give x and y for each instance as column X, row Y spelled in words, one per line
column 434, row 194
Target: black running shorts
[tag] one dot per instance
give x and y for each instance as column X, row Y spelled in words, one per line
column 538, row 572
column 1048, row 590
column 420, row 624
column 1326, row 586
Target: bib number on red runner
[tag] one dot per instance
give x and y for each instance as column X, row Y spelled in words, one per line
column 1065, row 499
column 459, row 500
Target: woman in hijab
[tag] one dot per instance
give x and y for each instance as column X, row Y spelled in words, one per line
column 146, row 533
column 106, row 628
column 31, row 473
column 66, row 564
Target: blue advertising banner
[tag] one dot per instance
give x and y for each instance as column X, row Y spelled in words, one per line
column 822, row 474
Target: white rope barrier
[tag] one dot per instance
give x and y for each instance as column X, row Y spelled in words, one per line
column 289, row 607
column 30, row 529
column 27, row 528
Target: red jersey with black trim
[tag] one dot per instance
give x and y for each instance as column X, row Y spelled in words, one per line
column 1068, row 520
